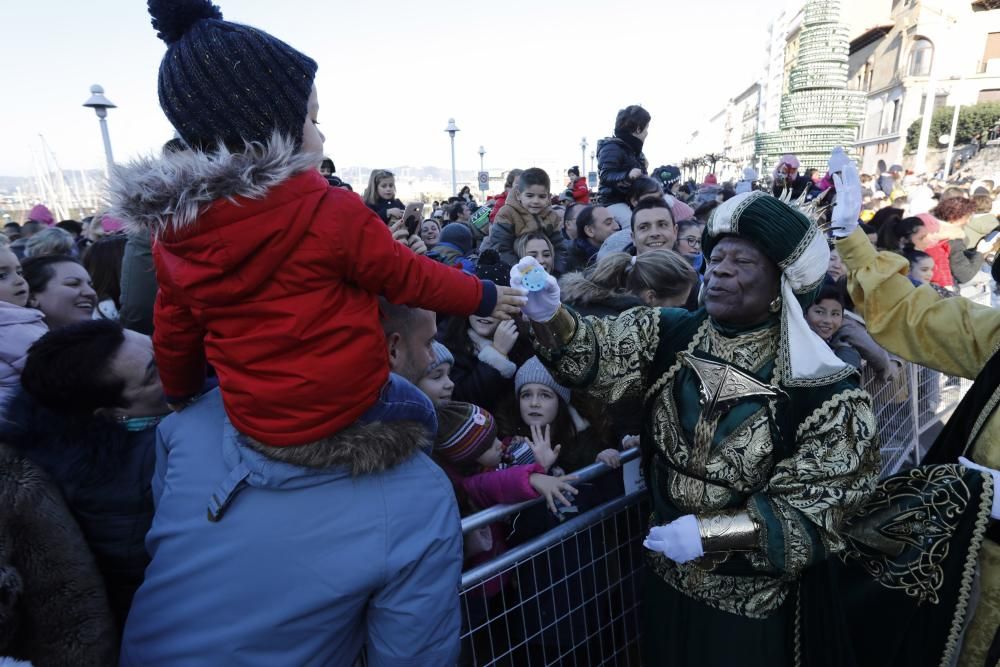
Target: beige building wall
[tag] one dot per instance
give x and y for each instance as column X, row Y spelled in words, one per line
column 944, row 49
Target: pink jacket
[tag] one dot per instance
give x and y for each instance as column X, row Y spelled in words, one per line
column 19, row 328
column 501, row 487
column 495, row 487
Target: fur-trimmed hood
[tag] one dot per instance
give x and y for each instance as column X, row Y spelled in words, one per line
column 172, row 191
column 224, row 222
column 582, row 293
column 362, row 448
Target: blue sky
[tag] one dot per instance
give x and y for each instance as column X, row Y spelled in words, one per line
column 525, row 79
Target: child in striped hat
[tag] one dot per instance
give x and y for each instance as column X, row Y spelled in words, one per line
column 468, row 450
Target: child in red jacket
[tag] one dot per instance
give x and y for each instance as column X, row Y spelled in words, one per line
column 264, row 270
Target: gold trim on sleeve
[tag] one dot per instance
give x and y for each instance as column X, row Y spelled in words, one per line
column 557, row 332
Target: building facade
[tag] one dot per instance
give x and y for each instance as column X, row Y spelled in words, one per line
column 948, row 51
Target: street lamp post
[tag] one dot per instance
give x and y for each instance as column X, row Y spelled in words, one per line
column 583, row 152
column 592, row 156
column 451, row 130
column 100, row 104
column 482, row 153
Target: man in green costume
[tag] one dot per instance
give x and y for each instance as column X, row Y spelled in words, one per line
column 758, row 443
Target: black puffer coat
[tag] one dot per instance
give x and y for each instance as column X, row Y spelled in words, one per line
column 615, row 159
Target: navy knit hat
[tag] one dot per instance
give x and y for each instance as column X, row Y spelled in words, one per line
column 458, row 235
column 222, row 81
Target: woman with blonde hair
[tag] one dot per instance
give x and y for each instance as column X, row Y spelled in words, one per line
column 658, row 278
column 536, row 245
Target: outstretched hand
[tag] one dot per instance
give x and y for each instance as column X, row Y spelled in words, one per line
column 847, row 207
column 509, row 302
column 543, row 303
column 541, row 446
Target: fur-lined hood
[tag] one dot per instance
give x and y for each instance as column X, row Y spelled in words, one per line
column 580, row 292
column 173, row 190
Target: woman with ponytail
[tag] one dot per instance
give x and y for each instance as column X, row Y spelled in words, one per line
column 619, row 281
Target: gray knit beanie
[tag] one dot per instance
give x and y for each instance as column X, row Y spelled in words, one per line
column 533, row 372
column 442, row 355
column 222, row 81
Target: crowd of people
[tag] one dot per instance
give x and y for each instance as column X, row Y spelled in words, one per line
column 242, row 412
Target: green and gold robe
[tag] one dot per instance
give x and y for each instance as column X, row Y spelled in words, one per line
column 801, row 461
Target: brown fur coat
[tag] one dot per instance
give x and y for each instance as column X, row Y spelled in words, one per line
column 53, row 606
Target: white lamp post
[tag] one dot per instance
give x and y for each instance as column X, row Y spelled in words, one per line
column 100, row 104
column 583, row 153
column 482, row 154
column 451, row 130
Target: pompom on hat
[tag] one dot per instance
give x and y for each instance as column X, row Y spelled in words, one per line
column 491, row 267
column 226, row 82
column 465, row 432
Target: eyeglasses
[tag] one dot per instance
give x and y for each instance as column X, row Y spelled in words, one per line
column 692, row 241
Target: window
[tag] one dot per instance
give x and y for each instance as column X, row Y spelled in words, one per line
column 873, row 124
column 992, row 51
column 921, row 56
column 897, row 112
column 989, row 95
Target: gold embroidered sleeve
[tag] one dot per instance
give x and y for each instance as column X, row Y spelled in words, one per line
column 810, row 494
column 608, row 357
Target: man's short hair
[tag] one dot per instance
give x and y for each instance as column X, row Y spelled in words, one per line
column 395, row 318
column 68, row 369
column 649, row 204
column 32, row 227
column 632, row 119
column 534, row 176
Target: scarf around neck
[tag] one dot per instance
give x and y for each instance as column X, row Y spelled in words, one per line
column 632, row 141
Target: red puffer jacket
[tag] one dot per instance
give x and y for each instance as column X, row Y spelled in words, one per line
column 279, row 294
column 580, row 191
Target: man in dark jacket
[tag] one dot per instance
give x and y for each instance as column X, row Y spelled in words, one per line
column 620, row 161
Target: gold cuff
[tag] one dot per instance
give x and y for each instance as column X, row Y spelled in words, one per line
column 729, row 530
column 557, row 332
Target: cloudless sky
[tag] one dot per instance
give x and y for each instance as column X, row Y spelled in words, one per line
column 524, row 78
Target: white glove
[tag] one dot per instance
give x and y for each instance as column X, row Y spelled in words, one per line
column 995, row 512
column 679, row 540
column 847, row 208
column 543, row 303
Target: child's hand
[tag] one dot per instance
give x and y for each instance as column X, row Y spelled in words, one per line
column 630, row 441
column 610, row 458
column 552, row 488
column 509, row 302
column 504, row 337
column 395, row 213
column 635, row 173
column 541, row 446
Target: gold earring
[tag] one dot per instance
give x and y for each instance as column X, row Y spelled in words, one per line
column 775, row 305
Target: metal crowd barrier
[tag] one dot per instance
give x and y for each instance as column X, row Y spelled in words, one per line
column 569, row 596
